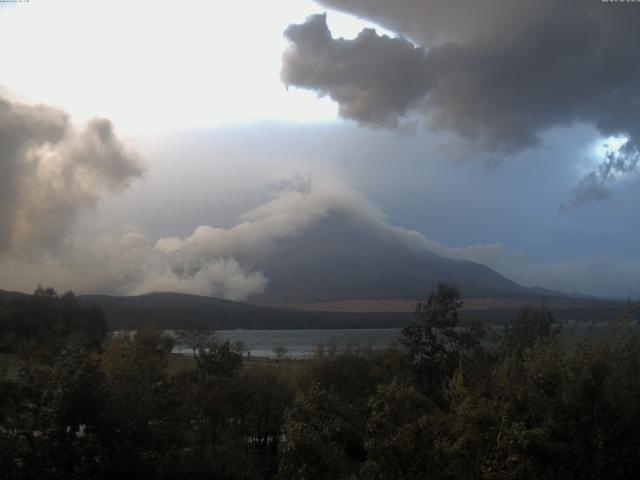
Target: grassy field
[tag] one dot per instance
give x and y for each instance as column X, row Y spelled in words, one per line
column 470, row 304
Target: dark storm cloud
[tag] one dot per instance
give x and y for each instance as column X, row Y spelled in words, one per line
column 361, row 74
column 496, row 73
column 50, row 172
column 591, row 187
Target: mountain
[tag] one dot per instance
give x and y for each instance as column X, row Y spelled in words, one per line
column 339, row 258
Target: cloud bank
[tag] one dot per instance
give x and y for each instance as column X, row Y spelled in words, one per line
column 497, row 73
column 51, row 172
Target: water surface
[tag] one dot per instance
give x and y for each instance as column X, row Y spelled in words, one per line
column 303, row 343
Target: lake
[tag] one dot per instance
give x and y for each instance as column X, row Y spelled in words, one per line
column 302, row 343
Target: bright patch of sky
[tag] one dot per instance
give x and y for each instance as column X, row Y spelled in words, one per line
column 151, row 65
column 611, row 144
column 596, row 152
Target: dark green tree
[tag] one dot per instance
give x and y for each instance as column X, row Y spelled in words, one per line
column 402, row 435
column 433, row 342
column 531, row 325
column 318, row 438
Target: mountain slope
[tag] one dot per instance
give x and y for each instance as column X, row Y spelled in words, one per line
column 337, row 258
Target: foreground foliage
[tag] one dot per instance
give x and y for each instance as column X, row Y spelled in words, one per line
column 444, row 402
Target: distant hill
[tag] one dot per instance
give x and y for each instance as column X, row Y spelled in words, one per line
column 175, row 310
column 8, row 295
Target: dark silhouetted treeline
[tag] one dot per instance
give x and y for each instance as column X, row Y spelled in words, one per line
column 45, row 318
column 443, row 402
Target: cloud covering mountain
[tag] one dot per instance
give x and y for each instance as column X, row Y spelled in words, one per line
column 313, row 240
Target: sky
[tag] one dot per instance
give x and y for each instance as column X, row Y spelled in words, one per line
column 141, row 141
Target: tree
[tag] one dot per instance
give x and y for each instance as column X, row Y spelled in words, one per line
column 402, row 435
column 212, row 379
column 240, row 346
column 75, row 413
column 433, row 342
column 49, row 319
column 318, row 438
column 141, row 401
column 261, row 395
column 59, row 419
column 280, row 351
column 531, row 325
